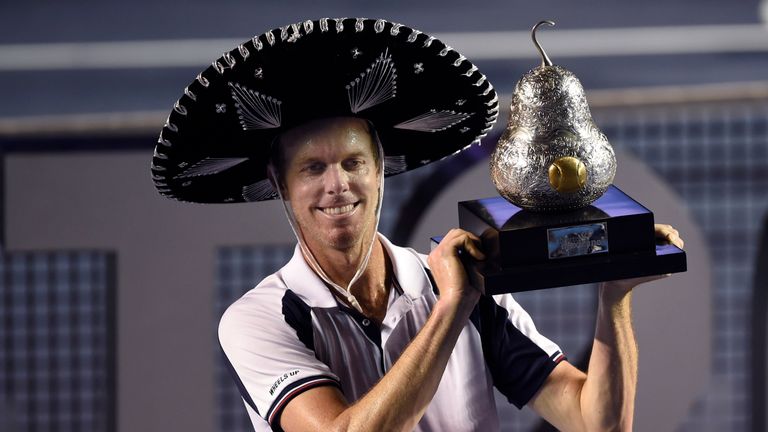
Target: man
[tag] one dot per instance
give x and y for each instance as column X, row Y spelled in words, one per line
column 355, row 333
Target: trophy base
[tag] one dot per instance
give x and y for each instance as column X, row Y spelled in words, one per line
column 492, row 279
column 614, row 224
column 614, row 238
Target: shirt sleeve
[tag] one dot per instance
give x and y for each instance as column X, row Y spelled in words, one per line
column 519, row 358
column 266, row 337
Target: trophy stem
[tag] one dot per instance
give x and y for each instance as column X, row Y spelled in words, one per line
column 545, row 61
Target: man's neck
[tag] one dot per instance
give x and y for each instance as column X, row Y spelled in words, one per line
column 341, row 265
column 371, row 290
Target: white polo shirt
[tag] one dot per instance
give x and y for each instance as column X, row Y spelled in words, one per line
column 290, row 334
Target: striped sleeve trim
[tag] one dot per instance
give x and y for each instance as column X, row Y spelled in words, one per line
column 294, row 390
column 557, row 357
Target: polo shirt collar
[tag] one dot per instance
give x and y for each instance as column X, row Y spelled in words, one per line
column 302, row 280
column 408, row 268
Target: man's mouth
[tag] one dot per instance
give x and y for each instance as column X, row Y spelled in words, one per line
column 339, row 210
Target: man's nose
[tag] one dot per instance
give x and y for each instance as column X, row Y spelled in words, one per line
column 336, row 179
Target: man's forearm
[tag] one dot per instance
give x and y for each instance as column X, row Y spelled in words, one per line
column 399, row 400
column 608, row 395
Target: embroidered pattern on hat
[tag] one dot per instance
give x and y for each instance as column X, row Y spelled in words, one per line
column 209, row 166
column 202, row 80
column 270, row 38
column 339, row 24
column 394, row 164
column 243, row 52
column 257, row 43
column 378, row 27
column 255, row 110
column 179, row 108
column 377, row 84
column 159, row 155
column 308, row 26
column 414, row 34
column 171, row 126
column 227, row 56
column 259, row 191
column 434, row 121
column 189, row 94
column 296, row 33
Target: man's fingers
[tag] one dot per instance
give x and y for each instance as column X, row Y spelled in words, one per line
column 457, row 241
column 670, row 234
column 471, row 244
column 676, row 240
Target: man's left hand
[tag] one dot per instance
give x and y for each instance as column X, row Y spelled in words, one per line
column 664, row 233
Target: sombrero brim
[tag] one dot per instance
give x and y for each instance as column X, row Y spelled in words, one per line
column 425, row 99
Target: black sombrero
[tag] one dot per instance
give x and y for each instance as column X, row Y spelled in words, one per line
column 426, row 101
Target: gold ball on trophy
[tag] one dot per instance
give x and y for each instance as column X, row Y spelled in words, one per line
column 567, row 174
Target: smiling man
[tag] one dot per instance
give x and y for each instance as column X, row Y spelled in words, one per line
column 356, row 333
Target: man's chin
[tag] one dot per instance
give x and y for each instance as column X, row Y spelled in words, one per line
column 343, row 242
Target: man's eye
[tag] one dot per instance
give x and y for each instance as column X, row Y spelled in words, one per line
column 354, row 163
column 314, row 168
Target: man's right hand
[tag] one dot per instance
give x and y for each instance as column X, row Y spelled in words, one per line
column 447, row 266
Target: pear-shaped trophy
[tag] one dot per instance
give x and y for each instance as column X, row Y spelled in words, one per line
column 552, row 156
column 561, row 221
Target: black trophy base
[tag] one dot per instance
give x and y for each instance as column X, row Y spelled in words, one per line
column 668, row 259
column 610, row 240
column 492, row 279
column 614, row 223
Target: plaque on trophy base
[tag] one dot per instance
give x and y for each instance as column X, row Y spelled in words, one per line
column 611, row 239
